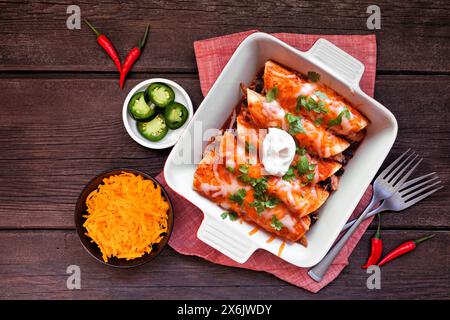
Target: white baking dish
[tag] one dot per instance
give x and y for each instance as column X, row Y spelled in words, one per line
column 339, row 71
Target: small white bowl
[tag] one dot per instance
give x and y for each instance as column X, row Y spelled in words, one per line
column 172, row 136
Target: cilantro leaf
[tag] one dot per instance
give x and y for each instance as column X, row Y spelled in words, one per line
column 318, row 122
column 276, row 224
column 289, row 175
column 261, row 199
column 321, row 95
column 301, row 102
column 231, row 169
column 337, row 121
column 230, row 214
column 310, row 104
column 258, row 205
column 347, row 113
column 260, row 187
column 295, row 124
column 300, row 150
column 239, row 196
column 309, row 177
column 313, row 76
column 272, row 94
column 272, row 203
column 304, row 167
column 261, row 205
column 320, row 107
column 249, row 146
column 243, row 169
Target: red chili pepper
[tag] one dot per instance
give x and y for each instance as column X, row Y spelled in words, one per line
column 131, row 58
column 106, row 44
column 403, row 249
column 377, row 248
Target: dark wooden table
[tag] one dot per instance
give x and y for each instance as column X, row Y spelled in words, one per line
column 61, row 124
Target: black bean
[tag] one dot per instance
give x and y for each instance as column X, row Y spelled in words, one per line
column 340, row 172
column 259, row 85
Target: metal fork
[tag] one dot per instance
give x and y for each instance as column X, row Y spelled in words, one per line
column 384, row 186
column 410, row 193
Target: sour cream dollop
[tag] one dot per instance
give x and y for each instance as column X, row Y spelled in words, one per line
column 278, row 151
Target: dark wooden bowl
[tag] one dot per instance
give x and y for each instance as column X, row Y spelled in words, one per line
column 92, row 247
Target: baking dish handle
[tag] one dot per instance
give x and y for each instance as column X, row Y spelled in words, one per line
column 221, row 237
column 337, row 60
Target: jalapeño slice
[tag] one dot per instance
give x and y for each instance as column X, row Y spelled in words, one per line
column 176, row 115
column 139, row 109
column 160, row 94
column 155, row 129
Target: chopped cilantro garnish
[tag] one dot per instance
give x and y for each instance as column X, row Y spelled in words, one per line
column 320, row 108
column 238, row 197
column 295, row 124
column 276, row 224
column 258, row 184
column 301, row 102
column 261, row 205
column 321, row 95
column 261, row 199
column 272, row 94
column 249, row 146
column 231, row 169
column 304, row 168
column 258, row 205
column 260, row 187
column 289, row 175
column 309, row 177
column 313, row 76
column 337, row 121
column 310, row 104
column 303, row 165
column 244, row 177
column 300, row 150
column 230, row 214
column 272, row 203
column 318, row 122
column 347, row 113
column 243, row 169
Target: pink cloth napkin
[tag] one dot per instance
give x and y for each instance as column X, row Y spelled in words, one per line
column 212, row 55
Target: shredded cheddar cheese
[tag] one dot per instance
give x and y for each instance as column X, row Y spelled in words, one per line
column 126, row 215
column 253, row 231
column 281, row 248
column 271, row 239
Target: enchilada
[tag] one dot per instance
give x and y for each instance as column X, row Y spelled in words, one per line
column 313, row 100
column 316, row 140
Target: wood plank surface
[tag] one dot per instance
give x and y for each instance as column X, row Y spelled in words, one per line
column 33, row 34
column 56, row 134
column 33, row 265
